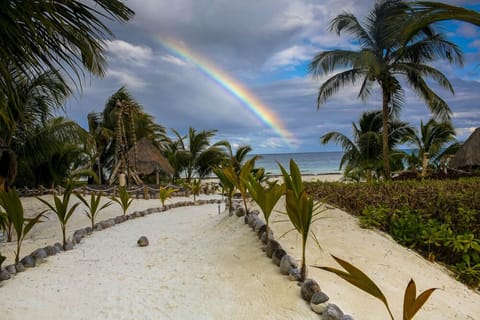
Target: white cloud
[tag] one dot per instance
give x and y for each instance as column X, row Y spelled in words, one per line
column 290, row 57
column 127, row 78
column 129, row 53
column 173, row 60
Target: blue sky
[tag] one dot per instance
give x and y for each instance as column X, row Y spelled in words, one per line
column 266, row 46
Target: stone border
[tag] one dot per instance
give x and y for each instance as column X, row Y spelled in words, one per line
column 39, row 255
column 310, row 290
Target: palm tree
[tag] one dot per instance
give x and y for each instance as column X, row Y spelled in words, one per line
column 384, row 56
column 363, row 154
column 39, row 36
column 431, row 141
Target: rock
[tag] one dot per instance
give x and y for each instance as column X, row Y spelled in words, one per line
column 347, row 317
column 88, row 230
column 4, row 275
column 11, row 269
column 272, row 245
column 252, row 219
column 294, row 274
column 240, row 212
column 50, row 250
column 259, row 226
column 108, row 223
column 318, row 302
column 263, row 236
column 68, row 246
column 78, row 235
column 255, row 212
column 142, row 241
column 19, row 267
column 278, row 255
column 58, row 247
column 287, row 263
column 309, row 288
column 119, row 219
column 28, row 261
column 333, row 312
column 39, row 255
column 98, row 226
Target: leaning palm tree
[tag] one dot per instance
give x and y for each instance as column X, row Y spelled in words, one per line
column 385, row 57
column 431, row 141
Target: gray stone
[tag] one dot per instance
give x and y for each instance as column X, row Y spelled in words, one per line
column 19, row 267
column 11, row 269
column 88, row 230
column 347, row 317
column 142, row 241
column 333, row 312
column 259, row 224
column 272, row 245
column 240, row 212
column 58, row 247
column 309, row 288
column 28, row 261
column 252, row 219
column 263, row 236
column 108, row 223
column 119, row 219
column 278, row 255
column 294, row 274
column 98, row 226
column 255, row 212
column 50, row 250
column 68, row 246
column 4, row 275
column 287, row 263
column 318, row 302
column 78, row 235
column 39, row 255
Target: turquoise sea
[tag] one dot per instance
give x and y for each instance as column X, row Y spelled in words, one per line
column 310, row 163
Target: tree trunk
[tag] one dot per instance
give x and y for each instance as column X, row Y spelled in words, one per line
column 425, row 161
column 386, row 150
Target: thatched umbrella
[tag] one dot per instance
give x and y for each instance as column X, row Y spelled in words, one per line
column 468, row 155
column 149, row 159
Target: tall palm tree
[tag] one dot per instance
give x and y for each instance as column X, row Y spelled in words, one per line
column 363, row 154
column 383, row 57
column 430, row 142
column 39, row 36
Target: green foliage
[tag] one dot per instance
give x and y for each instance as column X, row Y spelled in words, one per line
column 166, row 193
column 93, row 206
column 266, row 197
column 353, row 275
column 195, row 186
column 6, row 225
column 227, row 178
column 299, row 206
column 373, row 217
column 438, row 218
column 243, row 178
column 123, row 199
column 10, row 201
column 61, row 208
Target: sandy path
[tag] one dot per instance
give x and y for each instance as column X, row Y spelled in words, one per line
column 199, row 265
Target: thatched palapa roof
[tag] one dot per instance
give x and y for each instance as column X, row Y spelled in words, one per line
column 149, row 159
column 468, row 155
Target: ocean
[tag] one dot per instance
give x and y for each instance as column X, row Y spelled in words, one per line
column 310, row 163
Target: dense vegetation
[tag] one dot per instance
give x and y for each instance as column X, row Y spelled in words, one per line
column 438, row 218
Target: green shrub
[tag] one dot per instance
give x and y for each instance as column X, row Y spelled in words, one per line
column 374, row 217
column 123, row 199
column 406, row 227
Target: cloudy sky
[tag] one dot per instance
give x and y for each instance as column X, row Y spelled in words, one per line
column 264, row 47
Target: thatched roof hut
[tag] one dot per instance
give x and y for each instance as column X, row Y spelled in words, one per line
column 149, row 159
column 468, row 155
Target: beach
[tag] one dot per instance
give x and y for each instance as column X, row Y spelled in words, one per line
column 202, row 263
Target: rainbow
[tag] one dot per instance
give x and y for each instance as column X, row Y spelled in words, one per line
column 234, row 87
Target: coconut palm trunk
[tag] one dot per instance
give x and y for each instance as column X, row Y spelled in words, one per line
column 385, row 146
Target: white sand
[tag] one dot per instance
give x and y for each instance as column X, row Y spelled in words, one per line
column 201, row 265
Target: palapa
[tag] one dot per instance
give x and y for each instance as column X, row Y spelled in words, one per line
column 149, row 159
column 468, row 155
